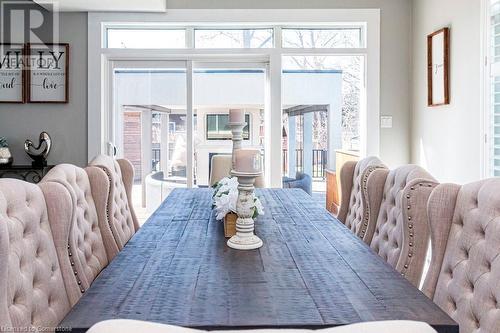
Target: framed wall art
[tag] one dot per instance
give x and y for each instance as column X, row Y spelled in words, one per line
column 12, row 76
column 438, row 58
column 48, row 75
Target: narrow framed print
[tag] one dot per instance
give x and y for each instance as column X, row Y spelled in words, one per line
column 48, row 74
column 438, row 55
column 12, row 76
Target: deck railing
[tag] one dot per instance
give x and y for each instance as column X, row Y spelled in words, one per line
column 319, row 159
column 318, row 162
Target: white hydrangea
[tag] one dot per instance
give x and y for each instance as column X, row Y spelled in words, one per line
column 225, row 198
column 258, row 206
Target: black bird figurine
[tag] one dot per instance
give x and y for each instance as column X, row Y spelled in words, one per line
column 39, row 154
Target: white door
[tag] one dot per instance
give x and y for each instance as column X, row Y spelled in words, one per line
column 217, row 88
column 148, row 124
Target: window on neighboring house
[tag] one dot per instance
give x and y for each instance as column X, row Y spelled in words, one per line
column 218, row 128
column 233, row 38
column 494, row 162
column 126, row 38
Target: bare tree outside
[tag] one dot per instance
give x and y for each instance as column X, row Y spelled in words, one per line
column 234, row 38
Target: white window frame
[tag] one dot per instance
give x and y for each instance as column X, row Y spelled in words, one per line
column 487, row 69
column 485, row 91
column 99, row 58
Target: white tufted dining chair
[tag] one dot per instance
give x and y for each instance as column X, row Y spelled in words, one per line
column 464, row 275
column 75, row 225
column 120, row 212
column 221, row 167
column 32, row 291
column 391, row 326
column 401, row 233
column 353, row 211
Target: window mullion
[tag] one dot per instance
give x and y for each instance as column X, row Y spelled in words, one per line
column 278, row 37
column 190, row 37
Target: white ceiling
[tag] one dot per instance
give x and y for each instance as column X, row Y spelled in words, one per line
column 106, row 5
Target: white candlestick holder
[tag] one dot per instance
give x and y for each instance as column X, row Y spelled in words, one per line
column 237, row 137
column 245, row 239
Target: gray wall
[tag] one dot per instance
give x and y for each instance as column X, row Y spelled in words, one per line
column 68, row 123
column 446, row 140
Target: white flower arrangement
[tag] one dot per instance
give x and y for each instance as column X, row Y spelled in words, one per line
column 226, row 195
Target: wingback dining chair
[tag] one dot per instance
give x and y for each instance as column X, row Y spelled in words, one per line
column 221, row 168
column 32, row 291
column 401, row 233
column 74, row 222
column 120, row 212
column 464, row 274
column 353, row 211
column 392, row 326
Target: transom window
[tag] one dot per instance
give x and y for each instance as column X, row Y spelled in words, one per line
column 153, row 37
column 322, row 38
column 233, row 38
column 125, row 38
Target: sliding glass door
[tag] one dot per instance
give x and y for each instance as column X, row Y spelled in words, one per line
column 169, row 118
column 148, row 126
column 218, row 88
column 322, row 98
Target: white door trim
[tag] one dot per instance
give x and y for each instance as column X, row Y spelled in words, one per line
column 99, row 57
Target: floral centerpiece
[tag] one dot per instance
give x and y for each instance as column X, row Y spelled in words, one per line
column 224, row 200
column 226, row 195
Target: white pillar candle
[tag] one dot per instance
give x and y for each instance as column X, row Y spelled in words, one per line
column 247, row 160
column 236, row 116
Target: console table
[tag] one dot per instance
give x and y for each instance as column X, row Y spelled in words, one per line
column 27, row 173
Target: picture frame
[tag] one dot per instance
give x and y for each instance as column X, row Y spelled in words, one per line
column 12, row 73
column 438, row 62
column 48, row 73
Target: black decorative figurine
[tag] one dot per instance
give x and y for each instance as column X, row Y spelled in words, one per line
column 39, row 154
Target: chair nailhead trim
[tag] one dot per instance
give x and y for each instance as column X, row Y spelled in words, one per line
column 369, row 170
column 410, row 227
column 109, row 198
column 78, row 281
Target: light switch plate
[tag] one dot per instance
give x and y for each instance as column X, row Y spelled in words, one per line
column 385, row 121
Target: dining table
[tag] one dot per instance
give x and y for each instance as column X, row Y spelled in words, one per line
column 312, row 272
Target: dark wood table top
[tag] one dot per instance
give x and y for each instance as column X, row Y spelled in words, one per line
column 312, row 272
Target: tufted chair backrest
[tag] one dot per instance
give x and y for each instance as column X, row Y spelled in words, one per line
column 464, row 276
column 401, row 234
column 353, row 210
column 32, row 292
column 75, row 227
column 221, row 167
column 121, row 216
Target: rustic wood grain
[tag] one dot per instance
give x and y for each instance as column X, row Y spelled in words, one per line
column 312, row 272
